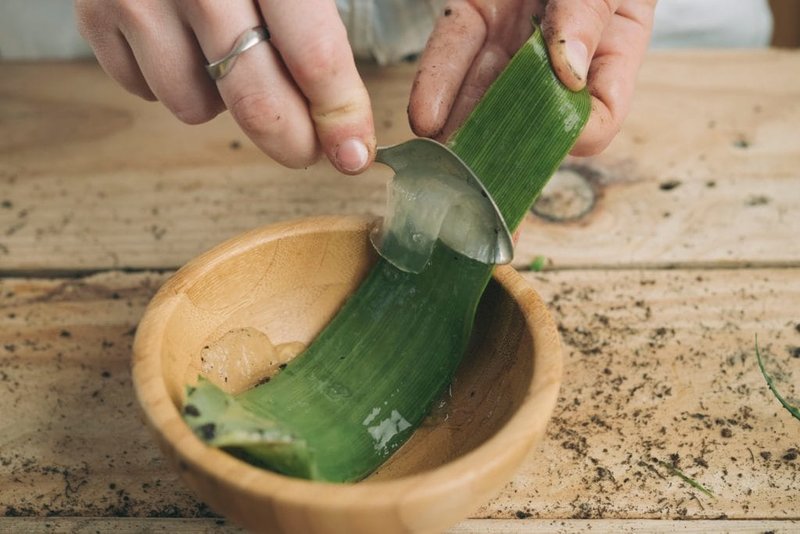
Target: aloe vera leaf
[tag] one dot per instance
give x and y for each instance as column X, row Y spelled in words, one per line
column 367, row 381
column 521, row 130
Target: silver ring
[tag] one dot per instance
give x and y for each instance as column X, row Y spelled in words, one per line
column 219, row 68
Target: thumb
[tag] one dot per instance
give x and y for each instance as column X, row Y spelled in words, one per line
column 572, row 29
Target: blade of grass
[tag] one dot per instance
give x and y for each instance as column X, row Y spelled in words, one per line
column 794, row 410
column 680, row 474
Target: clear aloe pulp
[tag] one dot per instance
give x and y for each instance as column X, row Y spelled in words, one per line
column 357, row 393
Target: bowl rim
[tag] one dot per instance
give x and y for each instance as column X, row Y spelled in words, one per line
column 509, row 444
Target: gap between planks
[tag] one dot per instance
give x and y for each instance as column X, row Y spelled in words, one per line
column 49, row 274
column 76, row 525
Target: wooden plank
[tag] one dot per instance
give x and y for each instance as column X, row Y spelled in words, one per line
column 94, row 525
column 704, row 172
column 616, row 526
column 91, row 525
column 91, row 177
column 659, row 370
column 72, row 441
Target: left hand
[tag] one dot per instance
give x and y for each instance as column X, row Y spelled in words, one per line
column 296, row 95
column 594, row 43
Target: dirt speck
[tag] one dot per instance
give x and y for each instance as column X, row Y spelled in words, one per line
column 669, row 185
column 208, row 431
column 757, row 200
column 741, row 142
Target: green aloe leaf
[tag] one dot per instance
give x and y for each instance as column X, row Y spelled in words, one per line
column 341, row 408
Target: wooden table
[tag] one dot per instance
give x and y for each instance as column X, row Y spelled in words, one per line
column 665, row 257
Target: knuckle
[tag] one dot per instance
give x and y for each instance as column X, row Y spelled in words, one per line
column 133, row 83
column 84, row 15
column 601, row 10
column 206, row 9
column 560, row 16
column 89, row 19
column 340, row 112
column 194, row 114
column 133, row 14
column 191, row 106
column 127, row 75
column 321, row 58
column 258, row 114
column 261, row 117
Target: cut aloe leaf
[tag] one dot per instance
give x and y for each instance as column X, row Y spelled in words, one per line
column 342, row 407
column 220, row 420
column 348, row 394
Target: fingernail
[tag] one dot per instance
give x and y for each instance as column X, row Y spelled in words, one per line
column 352, row 155
column 578, row 58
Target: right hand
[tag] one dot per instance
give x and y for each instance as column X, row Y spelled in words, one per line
column 296, row 96
column 599, row 44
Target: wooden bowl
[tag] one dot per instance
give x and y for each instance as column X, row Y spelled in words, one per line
column 288, row 280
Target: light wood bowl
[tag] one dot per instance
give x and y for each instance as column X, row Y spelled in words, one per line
column 288, row 280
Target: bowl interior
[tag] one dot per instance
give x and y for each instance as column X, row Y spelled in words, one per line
column 289, row 287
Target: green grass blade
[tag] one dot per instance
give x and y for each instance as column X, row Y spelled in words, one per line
column 794, row 410
column 680, row 474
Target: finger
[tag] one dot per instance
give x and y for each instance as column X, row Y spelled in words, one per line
column 452, row 47
column 572, row 29
column 170, row 60
column 484, row 70
column 312, row 40
column 258, row 90
column 110, row 47
column 508, row 26
column 613, row 74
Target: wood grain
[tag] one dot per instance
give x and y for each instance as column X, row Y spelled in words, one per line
column 613, row 526
column 92, row 525
column 659, row 368
column 72, row 441
column 704, row 173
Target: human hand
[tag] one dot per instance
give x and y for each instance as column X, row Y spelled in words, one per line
column 295, row 96
column 599, row 43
